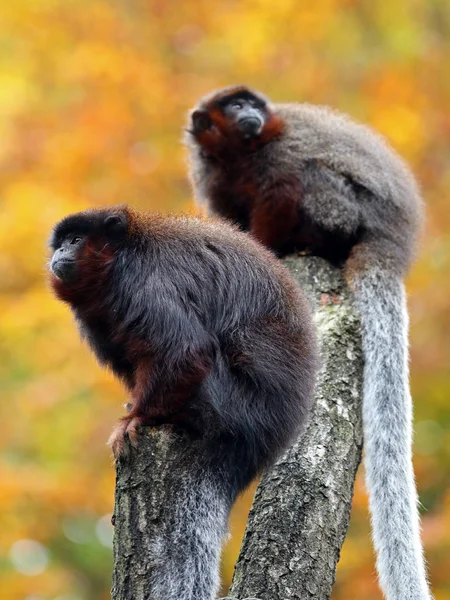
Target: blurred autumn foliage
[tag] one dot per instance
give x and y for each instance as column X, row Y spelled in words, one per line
column 93, row 97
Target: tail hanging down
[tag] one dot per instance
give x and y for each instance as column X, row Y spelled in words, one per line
column 387, row 419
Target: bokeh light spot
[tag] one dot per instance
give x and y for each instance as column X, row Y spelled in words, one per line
column 29, row 557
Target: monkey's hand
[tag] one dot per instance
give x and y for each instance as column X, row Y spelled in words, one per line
column 126, row 428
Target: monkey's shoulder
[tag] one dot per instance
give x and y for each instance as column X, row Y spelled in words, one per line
column 216, row 254
column 347, row 147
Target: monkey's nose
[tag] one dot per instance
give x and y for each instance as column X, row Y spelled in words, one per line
column 249, row 126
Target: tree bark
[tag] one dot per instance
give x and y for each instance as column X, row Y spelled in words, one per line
column 170, row 520
column 301, row 508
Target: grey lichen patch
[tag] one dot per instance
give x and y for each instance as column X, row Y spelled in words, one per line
column 316, row 277
column 301, row 508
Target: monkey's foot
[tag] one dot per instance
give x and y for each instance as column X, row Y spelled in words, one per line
column 126, row 428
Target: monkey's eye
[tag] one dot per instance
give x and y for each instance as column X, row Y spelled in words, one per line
column 236, row 104
column 76, row 239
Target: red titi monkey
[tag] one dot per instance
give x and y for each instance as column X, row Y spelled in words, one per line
column 302, row 177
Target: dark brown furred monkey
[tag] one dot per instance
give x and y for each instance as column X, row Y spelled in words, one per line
column 211, row 335
column 306, row 178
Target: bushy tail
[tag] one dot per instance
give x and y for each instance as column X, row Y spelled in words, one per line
column 387, row 417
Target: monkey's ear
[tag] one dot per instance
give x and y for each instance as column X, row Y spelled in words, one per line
column 116, row 225
column 201, row 121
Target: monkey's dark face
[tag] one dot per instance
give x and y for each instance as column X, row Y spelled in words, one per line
column 237, row 112
column 247, row 113
column 233, row 121
column 64, row 259
column 85, row 233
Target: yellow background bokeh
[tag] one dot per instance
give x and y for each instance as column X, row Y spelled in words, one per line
column 93, row 97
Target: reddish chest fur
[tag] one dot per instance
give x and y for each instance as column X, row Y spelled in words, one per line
column 260, row 202
column 86, row 293
column 233, row 191
column 90, row 295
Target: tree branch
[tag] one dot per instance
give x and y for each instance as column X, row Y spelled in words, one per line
column 301, row 508
column 170, row 521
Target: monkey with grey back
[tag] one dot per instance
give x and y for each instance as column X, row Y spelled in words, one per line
column 305, row 178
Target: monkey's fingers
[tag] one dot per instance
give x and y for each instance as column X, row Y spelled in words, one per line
column 117, row 439
column 132, row 430
column 126, row 428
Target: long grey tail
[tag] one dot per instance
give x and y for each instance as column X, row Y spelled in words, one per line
column 172, row 513
column 387, row 418
column 188, row 554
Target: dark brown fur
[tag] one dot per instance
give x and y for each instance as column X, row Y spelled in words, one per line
column 207, row 330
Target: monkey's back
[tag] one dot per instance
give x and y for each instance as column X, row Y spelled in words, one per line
column 262, row 379
column 259, row 390
column 231, row 268
column 350, row 148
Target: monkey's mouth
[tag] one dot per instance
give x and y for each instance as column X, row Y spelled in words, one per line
column 63, row 269
column 250, row 126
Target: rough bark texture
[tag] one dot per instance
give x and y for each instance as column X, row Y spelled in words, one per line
column 170, row 521
column 301, row 508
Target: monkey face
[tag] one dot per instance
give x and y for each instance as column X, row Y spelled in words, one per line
column 236, row 110
column 64, row 259
column 236, row 119
column 92, row 230
column 246, row 113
